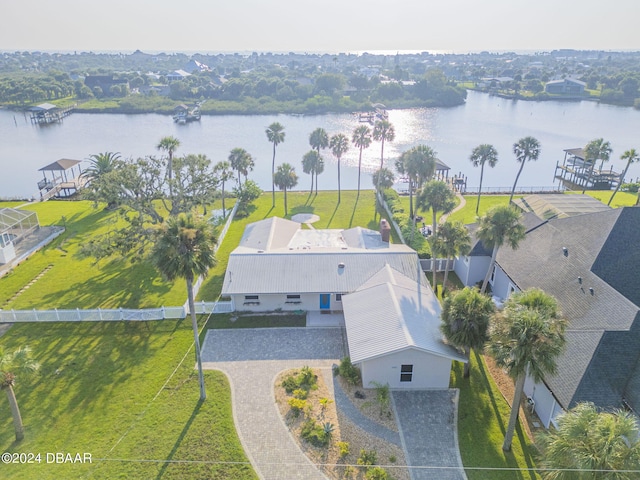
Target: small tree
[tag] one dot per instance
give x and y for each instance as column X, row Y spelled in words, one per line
column 224, row 172
column 12, row 366
column 597, row 149
column 170, row 145
column 383, row 131
column 383, row 179
column 319, row 140
column 631, row 156
column 285, row 178
column 480, row 155
column 452, row 240
column 526, row 149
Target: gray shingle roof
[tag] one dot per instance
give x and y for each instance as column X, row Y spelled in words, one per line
column 601, row 254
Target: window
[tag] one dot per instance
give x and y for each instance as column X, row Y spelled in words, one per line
column 465, row 259
column 512, row 289
column 406, row 373
column 338, row 297
column 251, row 297
column 293, row 297
column 493, row 274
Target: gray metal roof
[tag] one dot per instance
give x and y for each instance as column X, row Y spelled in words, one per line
column 62, row 164
column 390, row 317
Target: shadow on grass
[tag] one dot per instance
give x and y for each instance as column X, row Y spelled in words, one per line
column 269, row 212
column 332, row 215
column 179, row 440
column 353, row 213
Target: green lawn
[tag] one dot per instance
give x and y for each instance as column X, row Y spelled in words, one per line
column 483, row 415
column 622, row 199
column 101, row 390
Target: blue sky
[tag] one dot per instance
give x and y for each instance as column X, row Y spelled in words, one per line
column 319, row 25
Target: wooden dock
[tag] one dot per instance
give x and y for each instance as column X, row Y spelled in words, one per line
column 47, row 113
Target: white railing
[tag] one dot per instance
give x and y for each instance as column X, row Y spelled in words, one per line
column 519, row 190
column 111, row 315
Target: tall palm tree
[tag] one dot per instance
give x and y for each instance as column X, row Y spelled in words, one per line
column 319, row 140
column 526, row 149
column 285, row 178
column 597, row 149
column 437, row 197
column 526, row 339
column 14, row 365
column 591, row 444
column 362, row 139
column 275, row 135
column 418, row 164
column 100, row 163
column 170, row 145
column 480, row 155
column 500, row 225
column 311, row 163
column 631, row 156
column 452, row 240
column 339, row 145
column 465, row 321
column 224, row 172
column 241, row 161
column 383, row 131
column 184, row 248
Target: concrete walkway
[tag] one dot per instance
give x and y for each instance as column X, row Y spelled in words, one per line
column 251, row 359
column 428, row 427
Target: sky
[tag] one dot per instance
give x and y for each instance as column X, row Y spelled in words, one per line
column 333, row 26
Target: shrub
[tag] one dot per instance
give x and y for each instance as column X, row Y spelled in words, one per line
column 344, row 448
column 300, row 393
column 328, row 428
column 314, row 434
column 630, row 187
column 367, row 457
column 297, row 405
column 376, row 473
column 349, row 371
column 305, row 380
column 289, row 383
column 383, row 397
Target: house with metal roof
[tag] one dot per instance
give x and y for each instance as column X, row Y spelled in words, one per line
column 391, row 315
column 590, row 263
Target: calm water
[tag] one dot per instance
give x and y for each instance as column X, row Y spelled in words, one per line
column 451, row 132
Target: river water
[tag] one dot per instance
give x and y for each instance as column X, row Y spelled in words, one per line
column 451, row 132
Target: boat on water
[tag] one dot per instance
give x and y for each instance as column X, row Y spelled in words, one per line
column 183, row 114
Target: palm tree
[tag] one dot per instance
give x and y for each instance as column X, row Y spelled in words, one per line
column 480, row 155
column 318, row 139
column 417, row 164
column 525, row 149
column 452, row 240
column 526, row 339
column 311, row 162
column 383, row 131
column 169, row 144
column 591, row 444
column 383, row 178
column 275, row 135
column 184, row 248
column 437, row 197
column 285, row 178
column 339, row 145
column 362, row 139
column 500, row 225
column 12, row 366
column 597, row 149
column 631, row 156
column 241, row 161
column 100, row 164
column 465, row 321
column 224, row 173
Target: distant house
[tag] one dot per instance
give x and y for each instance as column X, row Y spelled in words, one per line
column 567, row 87
column 589, row 262
column 177, row 75
column 390, row 313
column 104, row 82
column 195, row 67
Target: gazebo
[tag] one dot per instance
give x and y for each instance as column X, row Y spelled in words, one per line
column 14, row 226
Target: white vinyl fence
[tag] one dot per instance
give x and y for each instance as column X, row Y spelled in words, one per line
column 441, row 264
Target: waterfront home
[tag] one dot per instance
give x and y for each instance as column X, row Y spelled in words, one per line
column 589, row 262
column 390, row 312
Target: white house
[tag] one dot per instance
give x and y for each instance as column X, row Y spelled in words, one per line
column 391, row 315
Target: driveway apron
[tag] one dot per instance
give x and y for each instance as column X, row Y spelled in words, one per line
column 428, row 427
column 251, row 359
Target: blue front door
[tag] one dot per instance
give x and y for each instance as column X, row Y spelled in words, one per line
column 325, row 301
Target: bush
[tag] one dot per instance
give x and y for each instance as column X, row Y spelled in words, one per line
column 349, row 371
column 304, row 380
column 383, row 397
column 376, row 473
column 367, row 457
column 314, row 434
column 301, row 393
column 344, row 448
column 297, row 405
column 630, row 187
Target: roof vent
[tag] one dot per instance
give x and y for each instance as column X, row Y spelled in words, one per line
column 591, row 291
column 565, row 251
column 341, row 265
column 580, row 280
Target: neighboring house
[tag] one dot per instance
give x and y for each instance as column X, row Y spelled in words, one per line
column 391, row 314
column 194, row 66
column 589, row 262
column 104, row 82
column 567, row 86
column 177, row 75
